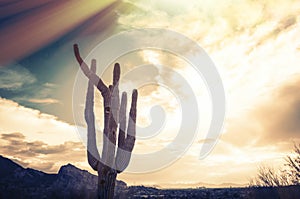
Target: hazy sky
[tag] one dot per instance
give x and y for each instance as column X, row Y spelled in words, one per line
column 255, row 46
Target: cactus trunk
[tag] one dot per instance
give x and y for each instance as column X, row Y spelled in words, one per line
column 106, row 184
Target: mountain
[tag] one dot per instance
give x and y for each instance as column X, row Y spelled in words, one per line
column 69, row 182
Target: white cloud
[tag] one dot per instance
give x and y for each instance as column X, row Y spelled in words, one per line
column 34, row 124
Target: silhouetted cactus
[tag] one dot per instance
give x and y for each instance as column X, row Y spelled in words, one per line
column 110, row 162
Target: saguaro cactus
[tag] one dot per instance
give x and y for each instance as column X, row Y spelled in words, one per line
column 112, row 161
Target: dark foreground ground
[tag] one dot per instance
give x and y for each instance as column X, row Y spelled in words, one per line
column 221, row 193
column 71, row 182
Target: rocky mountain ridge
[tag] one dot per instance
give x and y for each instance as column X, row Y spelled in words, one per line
column 69, row 182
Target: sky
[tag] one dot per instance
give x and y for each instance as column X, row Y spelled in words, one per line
column 255, row 46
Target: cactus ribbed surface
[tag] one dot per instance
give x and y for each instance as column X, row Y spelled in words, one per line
column 112, row 161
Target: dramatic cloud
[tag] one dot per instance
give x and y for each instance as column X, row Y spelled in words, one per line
column 273, row 122
column 255, row 46
column 38, row 154
column 15, row 77
column 280, row 116
column 38, row 140
column 34, row 124
column 18, row 83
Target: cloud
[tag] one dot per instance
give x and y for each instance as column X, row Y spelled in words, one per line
column 280, row 116
column 20, row 84
column 34, row 124
column 216, row 22
column 283, row 25
column 43, row 101
column 38, row 154
column 15, row 77
column 38, row 140
column 239, row 37
column 37, row 94
column 12, row 136
column 272, row 122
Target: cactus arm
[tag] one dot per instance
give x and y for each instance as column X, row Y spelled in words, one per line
column 92, row 151
column 125, row 145
column 90, row 74
column 132, row 114
column 109, row 157
column 131, row 130
column 121, row 155
column 122, row 118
